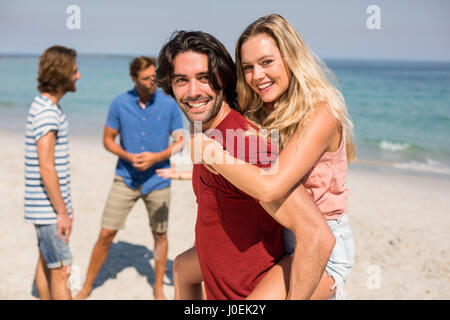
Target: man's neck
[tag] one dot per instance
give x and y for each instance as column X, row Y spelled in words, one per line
column 144, row 97
column 54, row 97
column 223, row 112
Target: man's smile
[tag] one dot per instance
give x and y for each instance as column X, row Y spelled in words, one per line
column 197, row 106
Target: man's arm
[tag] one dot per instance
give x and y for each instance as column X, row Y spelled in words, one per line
column 110, row 144
column 314, row 241
column 46, row 154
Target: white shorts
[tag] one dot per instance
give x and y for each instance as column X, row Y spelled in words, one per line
column 342, row 257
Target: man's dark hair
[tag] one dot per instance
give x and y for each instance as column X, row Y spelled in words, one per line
column 221, row 68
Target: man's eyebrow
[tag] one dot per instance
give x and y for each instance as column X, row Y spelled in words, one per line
column 180, row 75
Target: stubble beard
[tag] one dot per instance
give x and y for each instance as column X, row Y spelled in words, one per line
column 69, row 86
column 201, row 124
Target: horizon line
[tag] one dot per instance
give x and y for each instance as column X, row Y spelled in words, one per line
column 128, row 55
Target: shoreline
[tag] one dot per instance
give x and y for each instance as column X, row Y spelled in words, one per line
column 389, row 167
column 95, row 136
column 400, row 223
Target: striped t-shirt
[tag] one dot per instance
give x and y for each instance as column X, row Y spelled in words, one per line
column 45, row 116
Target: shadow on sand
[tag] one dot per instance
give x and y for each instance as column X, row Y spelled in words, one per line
column 123, row 255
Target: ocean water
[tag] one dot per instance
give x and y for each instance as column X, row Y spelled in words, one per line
column 400, row 110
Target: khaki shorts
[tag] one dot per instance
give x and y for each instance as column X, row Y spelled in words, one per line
column 121, row 200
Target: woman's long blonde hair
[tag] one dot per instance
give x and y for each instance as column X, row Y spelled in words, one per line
column 308, row 85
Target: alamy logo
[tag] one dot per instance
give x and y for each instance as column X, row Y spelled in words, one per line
column 374, row 280
column 74, row 20
column 248, row 144
column 374, row 20
column 74, row 281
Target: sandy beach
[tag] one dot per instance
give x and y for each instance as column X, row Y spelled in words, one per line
column 401, row 224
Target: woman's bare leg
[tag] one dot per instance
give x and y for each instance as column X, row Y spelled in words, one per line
column 187, row 276
column 275, row 284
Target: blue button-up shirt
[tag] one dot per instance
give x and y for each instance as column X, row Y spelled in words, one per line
column 143, row 130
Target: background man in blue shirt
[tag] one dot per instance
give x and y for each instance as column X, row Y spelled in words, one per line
column 145, row 118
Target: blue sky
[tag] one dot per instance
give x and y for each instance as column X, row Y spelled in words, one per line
column 410, row 30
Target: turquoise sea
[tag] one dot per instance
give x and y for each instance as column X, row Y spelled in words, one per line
column 401, row 110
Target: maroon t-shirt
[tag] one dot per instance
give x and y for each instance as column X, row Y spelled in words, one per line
column 236, row 240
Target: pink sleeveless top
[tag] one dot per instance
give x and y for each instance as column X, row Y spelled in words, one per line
column 325, row 182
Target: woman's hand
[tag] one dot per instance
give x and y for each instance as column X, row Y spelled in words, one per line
column 202, row 149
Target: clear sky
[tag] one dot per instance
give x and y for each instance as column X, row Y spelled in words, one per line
column 410, row 30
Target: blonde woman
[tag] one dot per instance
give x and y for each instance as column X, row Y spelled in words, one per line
column 283, row 86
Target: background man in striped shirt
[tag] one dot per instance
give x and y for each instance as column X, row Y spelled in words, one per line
column 47, row 178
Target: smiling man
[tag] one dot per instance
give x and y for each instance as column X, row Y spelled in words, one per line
column 198, row 100
column 236, row 241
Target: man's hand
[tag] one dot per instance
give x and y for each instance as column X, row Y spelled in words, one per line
column 145, row 160
column 131, row 157
column 64, row 224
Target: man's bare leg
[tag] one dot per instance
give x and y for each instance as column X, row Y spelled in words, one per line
column 42, row 279
column 275, row 284
column 58, row 283
column 98, row 257
column 160, row 256
column 187, row 276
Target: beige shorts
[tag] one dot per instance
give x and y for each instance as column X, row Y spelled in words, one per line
column 121, row 200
